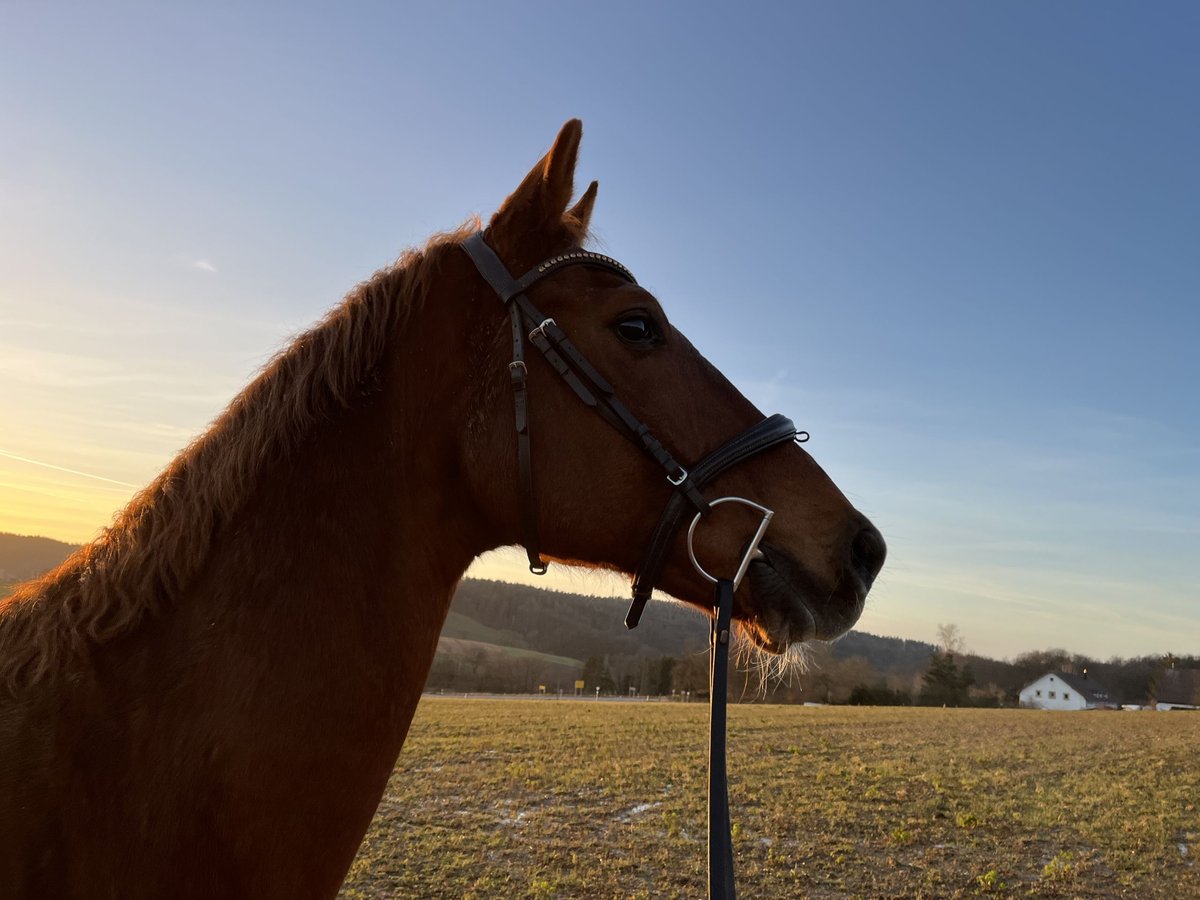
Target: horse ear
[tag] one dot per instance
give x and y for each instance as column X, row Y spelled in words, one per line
column 579, row 215
column 540, row 201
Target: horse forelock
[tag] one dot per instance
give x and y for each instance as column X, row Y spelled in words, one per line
column 157, row 544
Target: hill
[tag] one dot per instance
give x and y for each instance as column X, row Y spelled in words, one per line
column 507, row 637
column 572, row 625
column 23, row 557
column 665, row 653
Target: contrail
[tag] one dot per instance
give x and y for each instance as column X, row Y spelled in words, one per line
column 46, row 465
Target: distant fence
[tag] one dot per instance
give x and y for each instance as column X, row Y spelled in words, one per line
column 567, row 695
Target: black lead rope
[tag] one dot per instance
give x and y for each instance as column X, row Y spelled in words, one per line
column 720, row 838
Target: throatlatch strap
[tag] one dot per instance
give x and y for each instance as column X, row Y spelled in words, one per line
column 720, row 840
column 519, row 375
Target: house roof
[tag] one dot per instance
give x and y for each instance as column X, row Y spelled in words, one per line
column 1179, row 686
column 1089, row 689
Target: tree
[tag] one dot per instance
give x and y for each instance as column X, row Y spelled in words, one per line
column 661, row 672
column 946, row 683
column 950, row 640
column 878, row 694
column 691, row 674
column 596, row 675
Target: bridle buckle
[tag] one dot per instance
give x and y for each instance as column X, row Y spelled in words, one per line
column 679, row 477
column 540, row 331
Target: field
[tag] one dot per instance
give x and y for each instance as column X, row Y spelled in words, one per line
column 546, row 798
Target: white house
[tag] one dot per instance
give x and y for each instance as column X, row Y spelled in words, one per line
column 1178, row 689
column 1063, row 690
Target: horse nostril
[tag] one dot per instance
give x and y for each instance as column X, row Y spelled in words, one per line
column 867, row 553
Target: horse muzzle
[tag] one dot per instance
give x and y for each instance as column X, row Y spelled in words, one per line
column 788, row 605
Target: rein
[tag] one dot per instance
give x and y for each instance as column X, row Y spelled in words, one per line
column 686, row 493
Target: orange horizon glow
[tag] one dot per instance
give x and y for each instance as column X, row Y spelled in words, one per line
column 43, row 499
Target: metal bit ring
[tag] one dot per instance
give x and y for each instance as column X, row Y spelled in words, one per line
column 750, row 550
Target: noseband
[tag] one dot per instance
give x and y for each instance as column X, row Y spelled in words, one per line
column 686, row 492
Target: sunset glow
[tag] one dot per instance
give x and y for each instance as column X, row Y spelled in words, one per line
column 956, row 243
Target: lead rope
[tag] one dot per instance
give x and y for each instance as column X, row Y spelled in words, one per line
column 720, row 838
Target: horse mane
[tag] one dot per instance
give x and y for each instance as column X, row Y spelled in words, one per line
column 159, row 542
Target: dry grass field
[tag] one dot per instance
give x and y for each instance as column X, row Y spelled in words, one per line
column 544, row 798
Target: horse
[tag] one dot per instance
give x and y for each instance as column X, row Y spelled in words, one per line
column 209, row 698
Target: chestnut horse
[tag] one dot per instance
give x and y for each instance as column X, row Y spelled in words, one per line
column 207, row 701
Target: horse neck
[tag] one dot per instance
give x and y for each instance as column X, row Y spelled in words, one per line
column 291, row 665
column 341, row 567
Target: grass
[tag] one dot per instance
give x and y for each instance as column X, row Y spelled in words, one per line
column 583, row 799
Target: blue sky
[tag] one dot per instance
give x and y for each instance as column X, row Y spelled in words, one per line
column 956, row 242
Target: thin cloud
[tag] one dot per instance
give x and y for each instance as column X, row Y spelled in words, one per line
column 203, row 265
column 46, row 465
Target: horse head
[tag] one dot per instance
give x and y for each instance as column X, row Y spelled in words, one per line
column 598, row 496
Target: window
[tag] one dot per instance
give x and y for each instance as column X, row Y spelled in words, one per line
column 1066, row 695
column 1052, row 695
column 1038, row 692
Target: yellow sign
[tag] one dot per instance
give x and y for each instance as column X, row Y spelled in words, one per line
column 579, row 685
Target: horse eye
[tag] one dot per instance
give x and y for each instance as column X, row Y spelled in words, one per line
column 637, row 330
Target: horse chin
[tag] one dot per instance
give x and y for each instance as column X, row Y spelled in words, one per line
column 789, row 608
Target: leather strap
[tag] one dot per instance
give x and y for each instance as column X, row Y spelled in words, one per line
column 720, row 840
column 519, row 374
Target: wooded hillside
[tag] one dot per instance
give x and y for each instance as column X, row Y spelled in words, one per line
column 23, row 557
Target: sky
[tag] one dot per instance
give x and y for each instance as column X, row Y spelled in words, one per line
column 957, row 243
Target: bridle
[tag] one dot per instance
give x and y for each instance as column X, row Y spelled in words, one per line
column 686, row 494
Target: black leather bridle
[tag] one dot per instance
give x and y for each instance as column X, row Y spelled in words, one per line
column 686, row 494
